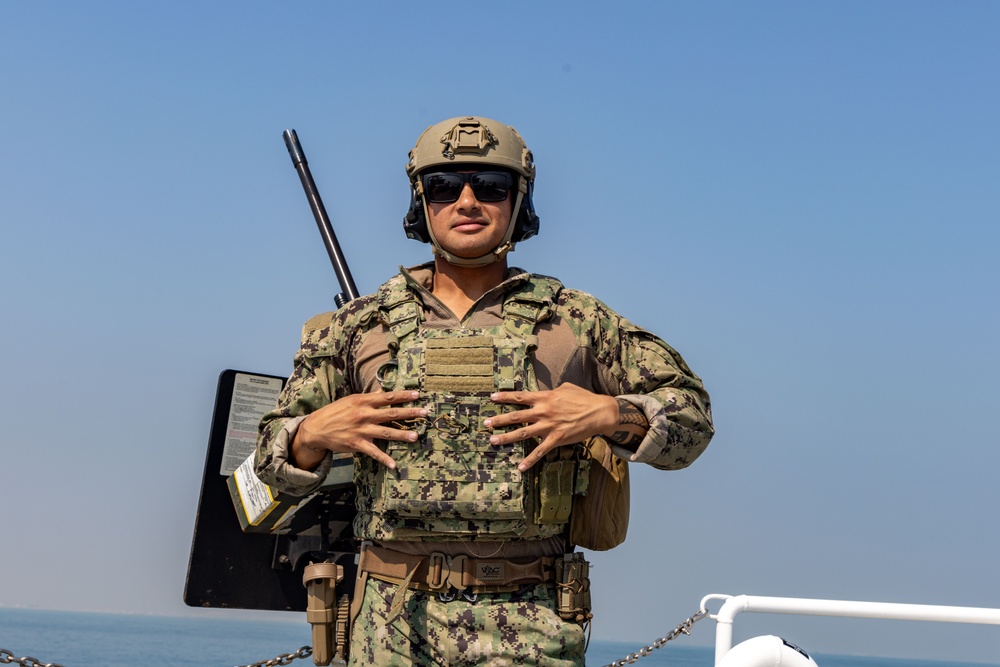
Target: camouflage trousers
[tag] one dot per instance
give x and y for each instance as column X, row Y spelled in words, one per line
column 520, row 628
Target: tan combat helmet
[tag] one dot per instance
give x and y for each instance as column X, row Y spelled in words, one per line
column 472, row 142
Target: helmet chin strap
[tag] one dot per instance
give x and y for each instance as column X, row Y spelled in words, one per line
column 495, row 255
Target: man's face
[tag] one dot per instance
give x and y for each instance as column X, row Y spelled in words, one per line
column 468, row 227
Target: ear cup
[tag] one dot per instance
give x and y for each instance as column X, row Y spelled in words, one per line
column 527, row 223
column 414, row 222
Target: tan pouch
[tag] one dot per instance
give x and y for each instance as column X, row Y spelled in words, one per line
column 600, row 518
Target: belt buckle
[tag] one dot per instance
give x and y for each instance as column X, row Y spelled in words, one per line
column 449, row 571
column 437, row 569
column 456, row 572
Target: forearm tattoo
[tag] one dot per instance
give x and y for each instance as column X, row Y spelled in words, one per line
column 632, row 426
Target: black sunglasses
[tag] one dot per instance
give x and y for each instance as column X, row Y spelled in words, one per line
column 444, row 187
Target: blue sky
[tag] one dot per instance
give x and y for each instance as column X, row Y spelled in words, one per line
column 801, row 197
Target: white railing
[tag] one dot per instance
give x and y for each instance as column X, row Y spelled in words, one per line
column 734, row 605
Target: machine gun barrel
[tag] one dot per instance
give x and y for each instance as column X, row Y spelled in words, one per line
column 349, row 289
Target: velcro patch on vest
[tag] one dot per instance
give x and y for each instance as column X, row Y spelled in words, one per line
column 490, row 571
column 459, row 364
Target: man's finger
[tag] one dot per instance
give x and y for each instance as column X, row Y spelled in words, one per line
column 509, row 418
column 400, row 435
column 517, row 397
column 536, row 454
column 369, row 449
column 513, row 436
column 393, row 397
column 387, row 415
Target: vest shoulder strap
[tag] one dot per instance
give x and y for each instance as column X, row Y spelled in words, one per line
column 533, row 301
column 398, row 308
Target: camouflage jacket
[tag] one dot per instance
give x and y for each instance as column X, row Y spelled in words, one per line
column 583, row 342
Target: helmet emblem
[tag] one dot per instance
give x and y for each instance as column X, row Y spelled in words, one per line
column 468, row 136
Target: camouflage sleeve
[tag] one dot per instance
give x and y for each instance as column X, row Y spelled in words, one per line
column 640, row 368
column 319, row 378
column 656, row 380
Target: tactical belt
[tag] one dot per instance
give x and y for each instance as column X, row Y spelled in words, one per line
column 439, row 573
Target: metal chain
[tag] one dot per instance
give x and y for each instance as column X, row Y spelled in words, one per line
column 8, row 658
column 684, row 628
column 284, row 658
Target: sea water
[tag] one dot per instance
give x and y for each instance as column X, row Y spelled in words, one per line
column 83, row 639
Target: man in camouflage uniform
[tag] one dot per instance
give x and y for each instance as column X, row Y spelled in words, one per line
column 463, row 389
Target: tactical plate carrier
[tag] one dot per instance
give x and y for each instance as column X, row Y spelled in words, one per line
column 452, row 483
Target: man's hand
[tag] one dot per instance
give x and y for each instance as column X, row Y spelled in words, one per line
column 352, row 424
column 562, row 416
